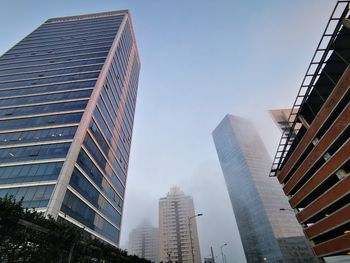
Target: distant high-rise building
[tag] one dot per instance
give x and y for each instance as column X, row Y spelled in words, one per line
column 67, row 102
column 177, row 226
column 267, row 232
column 144, row 242
column 313, row 165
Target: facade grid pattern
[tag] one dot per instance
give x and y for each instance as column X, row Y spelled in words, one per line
column 67, row 104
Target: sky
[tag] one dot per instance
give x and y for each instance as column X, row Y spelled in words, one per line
column 200, row 59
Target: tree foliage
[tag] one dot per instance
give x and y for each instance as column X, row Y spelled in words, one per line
column 27, row 236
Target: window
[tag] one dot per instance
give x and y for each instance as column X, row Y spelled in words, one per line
column 33, row 196
column 86, row 189
column 77, row 209
column 97, row 177
column 36, row 152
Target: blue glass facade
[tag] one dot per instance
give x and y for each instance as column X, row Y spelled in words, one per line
column 267, row 233
column 67, row 104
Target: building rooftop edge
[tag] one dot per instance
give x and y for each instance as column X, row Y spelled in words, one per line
column 86, row 16
column 231, row 117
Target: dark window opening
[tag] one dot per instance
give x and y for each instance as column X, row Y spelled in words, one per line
column 330, row 209
column 339, row 231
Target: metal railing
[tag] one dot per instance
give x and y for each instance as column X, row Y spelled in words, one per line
column 314, row 71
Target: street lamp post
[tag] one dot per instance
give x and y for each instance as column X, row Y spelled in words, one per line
column 222, row 253
column 189, row 228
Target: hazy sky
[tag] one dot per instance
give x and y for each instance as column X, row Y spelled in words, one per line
column 200, row 60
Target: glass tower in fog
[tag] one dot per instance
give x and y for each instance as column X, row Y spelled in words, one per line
column 67, row 103
column 144, row 242
column 267, row 233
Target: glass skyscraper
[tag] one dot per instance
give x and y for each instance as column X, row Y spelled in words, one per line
column 267, row 233
column 67, row 102
column 144, row 242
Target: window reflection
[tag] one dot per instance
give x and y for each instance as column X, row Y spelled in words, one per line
column 76, row 105
column 33, row 196
column 48, row 88
column 30, row 173
column 86, row 189
column 92, row 171
column 40, row 121
column 77, row 209
column 102, row 162
column 30, row 153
